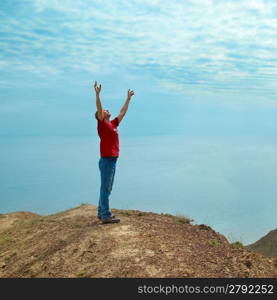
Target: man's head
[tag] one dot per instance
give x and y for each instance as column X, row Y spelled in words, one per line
column 106, row 114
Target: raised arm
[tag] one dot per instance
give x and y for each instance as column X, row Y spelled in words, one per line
column 98, row 102
column 125, row 106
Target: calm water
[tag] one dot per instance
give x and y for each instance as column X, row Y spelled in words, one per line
column 229, row 184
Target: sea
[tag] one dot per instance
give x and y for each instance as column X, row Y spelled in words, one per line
column 226, row 183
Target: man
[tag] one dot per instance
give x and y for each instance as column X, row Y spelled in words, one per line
column 109, row 152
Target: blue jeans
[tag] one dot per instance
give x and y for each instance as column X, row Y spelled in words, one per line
column 107, row 170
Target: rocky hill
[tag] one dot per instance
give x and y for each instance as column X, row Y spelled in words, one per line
column 74, row 243
column 267, row 245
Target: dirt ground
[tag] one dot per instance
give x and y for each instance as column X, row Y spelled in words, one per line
column 74, row 243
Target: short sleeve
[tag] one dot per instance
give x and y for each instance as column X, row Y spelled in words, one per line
column 115, row 122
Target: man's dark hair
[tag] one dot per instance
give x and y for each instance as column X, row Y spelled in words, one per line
column 96, row 115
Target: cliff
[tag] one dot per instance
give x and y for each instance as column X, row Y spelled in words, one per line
column 267, row 245
column 74, row 243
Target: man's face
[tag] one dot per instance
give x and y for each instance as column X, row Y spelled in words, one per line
column 106, row 114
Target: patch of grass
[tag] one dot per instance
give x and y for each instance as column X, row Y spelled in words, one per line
column 140, row 214
column 28, row 222
column 181, row 219
column 81, row 274
column 237, row 244
column 4, row 240
column 204, row 227
column 214, row 243
column 167, row 215
column 13, row 254
column 2, row 216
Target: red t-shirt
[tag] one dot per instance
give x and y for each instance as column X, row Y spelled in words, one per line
column 109, row 140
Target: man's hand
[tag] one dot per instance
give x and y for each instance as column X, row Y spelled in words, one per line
column 97, row 88
column 98, row 102
column 125, row 106
column 130, row 94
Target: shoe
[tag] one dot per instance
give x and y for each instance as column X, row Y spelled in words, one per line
column 110, row 220
column 112, row 216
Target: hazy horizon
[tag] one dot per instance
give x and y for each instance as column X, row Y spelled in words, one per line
column 227, row 184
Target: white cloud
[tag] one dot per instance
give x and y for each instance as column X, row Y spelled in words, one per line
column 236, row 40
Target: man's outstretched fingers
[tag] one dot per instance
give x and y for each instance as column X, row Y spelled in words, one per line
column 97, row 88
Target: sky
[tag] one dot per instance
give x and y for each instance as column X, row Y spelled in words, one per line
column 198, row 68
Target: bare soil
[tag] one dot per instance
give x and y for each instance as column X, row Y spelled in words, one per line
column 74, row 243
